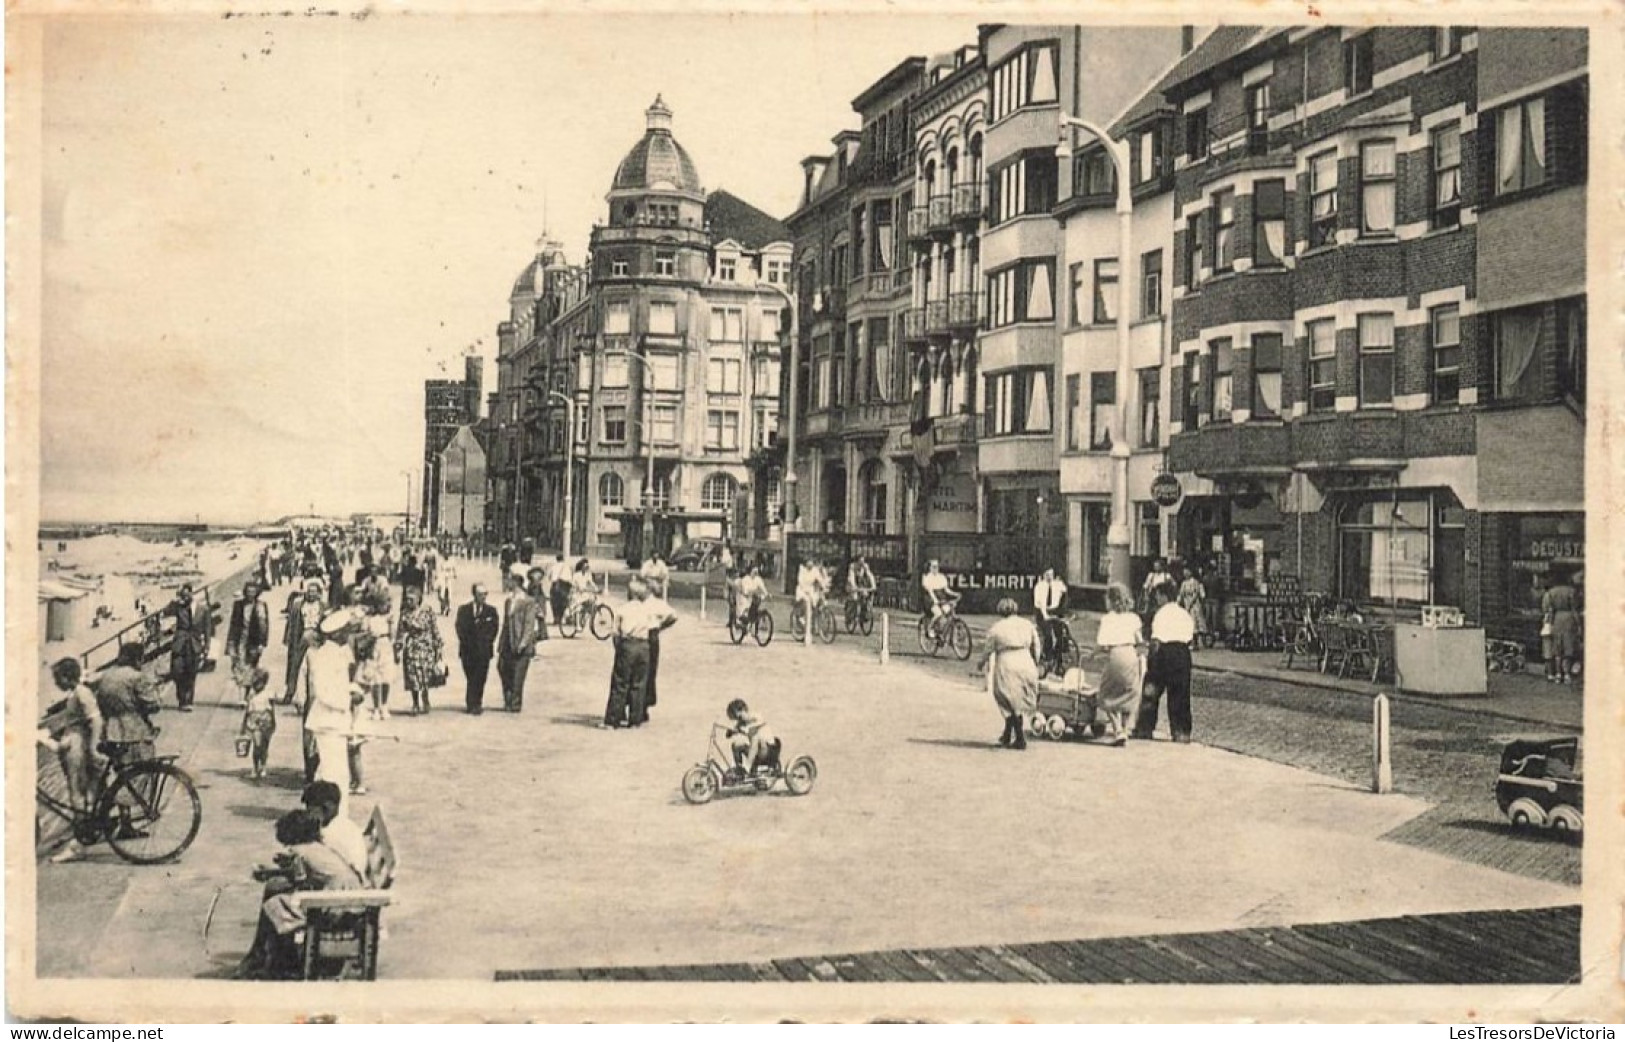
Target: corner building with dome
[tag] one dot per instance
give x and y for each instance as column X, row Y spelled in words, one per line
column 663, row 349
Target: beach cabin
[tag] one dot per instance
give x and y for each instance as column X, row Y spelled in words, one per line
column 64, row 611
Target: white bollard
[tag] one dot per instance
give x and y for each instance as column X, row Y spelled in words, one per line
column 1382, row 771
column 885, row 637
column 702, row 602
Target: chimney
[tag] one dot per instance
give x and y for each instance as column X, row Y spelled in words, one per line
column 1187, row 38
column 473, row 378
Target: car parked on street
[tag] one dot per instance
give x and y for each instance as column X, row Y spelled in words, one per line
column 696, row 555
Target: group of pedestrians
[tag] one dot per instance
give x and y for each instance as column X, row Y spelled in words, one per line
column 509, row 635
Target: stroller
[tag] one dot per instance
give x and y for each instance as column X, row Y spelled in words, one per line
column 1540, row 785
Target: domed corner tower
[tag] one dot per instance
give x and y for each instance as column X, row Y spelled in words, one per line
column 656, row 210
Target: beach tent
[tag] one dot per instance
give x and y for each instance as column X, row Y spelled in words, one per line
column 63, row 611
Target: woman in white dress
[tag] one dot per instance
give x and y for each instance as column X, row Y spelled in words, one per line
column 1120, row 637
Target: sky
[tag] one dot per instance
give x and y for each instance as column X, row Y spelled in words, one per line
column 261, row 235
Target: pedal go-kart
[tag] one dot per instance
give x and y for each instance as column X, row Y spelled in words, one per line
column 717, row 774
column 1540, row 785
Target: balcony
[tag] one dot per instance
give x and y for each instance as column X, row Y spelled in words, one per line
column 902, row 278
column 873, row 417
column 936, row 318
column 967, row 203
column 914, row 325
column 879, row 283
column 942, row 220
column 918, row 226
column 951, row 432
column 963, row 312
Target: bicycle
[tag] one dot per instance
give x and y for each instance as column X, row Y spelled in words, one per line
column 758, row 623
column 589, row 614
column 148, row 811
column 860, row 615
column 1061, row 651
column 823, row 622
column 949, row 629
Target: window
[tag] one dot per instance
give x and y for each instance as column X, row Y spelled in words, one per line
column 1097, row 519
column 1094, row 175
column 1191, row 407
column 727, row 269
column 1377, row 188
column 1147, row 156
column 727, row 325
column 770, row 325
column 883, row 249
column 1193, row 251
column 1444, row 351
column 617, row 317
column 857, row 241
column 1106, row 279
column 1322, row 366
column 777, row 271
column 1446, row 42
column 1196, row 135
column 764, row 377
column 1023, row 292
column 1074, row 410
column 1151, row 284
column 723, row 375
column 1027, row 185
column 1224, row 230
column 662, row 213
column 1357, row 55
column 1149, row 529
column 766, row 428
column 1017, row 402
column 611, row 491
column 1376, row 361
column 665, row 262
column 1269, row 223
column 1080, row 306
column 1383, row 550
column 1102, row 410
column 1571, row 348
column 664, row 371
column 722, row 430
column 1149, row 384
column 820, row 384
column 718, row 492
column 1258, row 118
column 614, row 421
column 1517, row 344
column 619, row 269
column 1028, row 77
column 1520, row 146
column 1323, row 199
column 615, row 369
column 662, row 317
column 1266, row 376
column 663, row 424
column 583, row 425
column 1446, row 209
column 1223, row 389
column 659, row 497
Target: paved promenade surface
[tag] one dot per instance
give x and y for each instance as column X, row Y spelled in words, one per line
column 537, row 840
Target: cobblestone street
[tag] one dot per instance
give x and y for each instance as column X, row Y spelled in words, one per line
column 539, row 841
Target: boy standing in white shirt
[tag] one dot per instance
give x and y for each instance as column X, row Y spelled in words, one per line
column 1169, row 667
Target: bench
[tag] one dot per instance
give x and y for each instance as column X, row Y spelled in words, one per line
column 341, row 926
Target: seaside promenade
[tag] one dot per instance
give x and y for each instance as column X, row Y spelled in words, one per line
column 537, row 844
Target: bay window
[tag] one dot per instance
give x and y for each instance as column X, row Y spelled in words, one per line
column 1224, row 230
column 1520, row 146
column 1323, row 199
column 1028, row 77
column 1150, row 380
column 1266, row 376
column 1376, row 333
column 1223, row 368
column 1022, row 292
column 1444, row 352
column 1517, row 346
column 1027, row 184
column 1445, row 211
column 1377, row 184
column 1322, row 337
column 1102, row 408
column 1017, row 401
column 1269, row 223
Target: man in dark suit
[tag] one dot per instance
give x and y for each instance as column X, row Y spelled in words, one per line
column 249, row 631
column 477, row 626
column 517, row 641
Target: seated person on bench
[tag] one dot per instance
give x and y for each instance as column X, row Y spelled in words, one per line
column 754, row 744
column 307, row 864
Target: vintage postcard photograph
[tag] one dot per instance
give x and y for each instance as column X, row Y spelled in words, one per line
column 963, row 512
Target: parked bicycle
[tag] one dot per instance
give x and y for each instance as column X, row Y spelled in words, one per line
column 588, row 614
column 823, row 622
column 1061, row 651
column 945, row 630
column 147, row 810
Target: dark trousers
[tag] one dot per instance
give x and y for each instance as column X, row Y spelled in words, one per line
column 629, row 684
column 1168, row 670
column 560, row 596
column 185, row 688
column 654, row 670
column 511, row 669
column 296, row 655
column 476, row 669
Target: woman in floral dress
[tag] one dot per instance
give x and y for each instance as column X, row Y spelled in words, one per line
column 417, row 642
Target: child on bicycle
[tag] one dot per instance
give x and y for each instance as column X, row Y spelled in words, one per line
column 753, row 742
column 860, row 579
column 940, row 598
column 259, row 721
column 810, row 583
column 751, row 593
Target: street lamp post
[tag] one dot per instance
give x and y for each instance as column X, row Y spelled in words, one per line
column 648, row 444
column 1117, row 535
column 408, row 474
column 569, row 472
